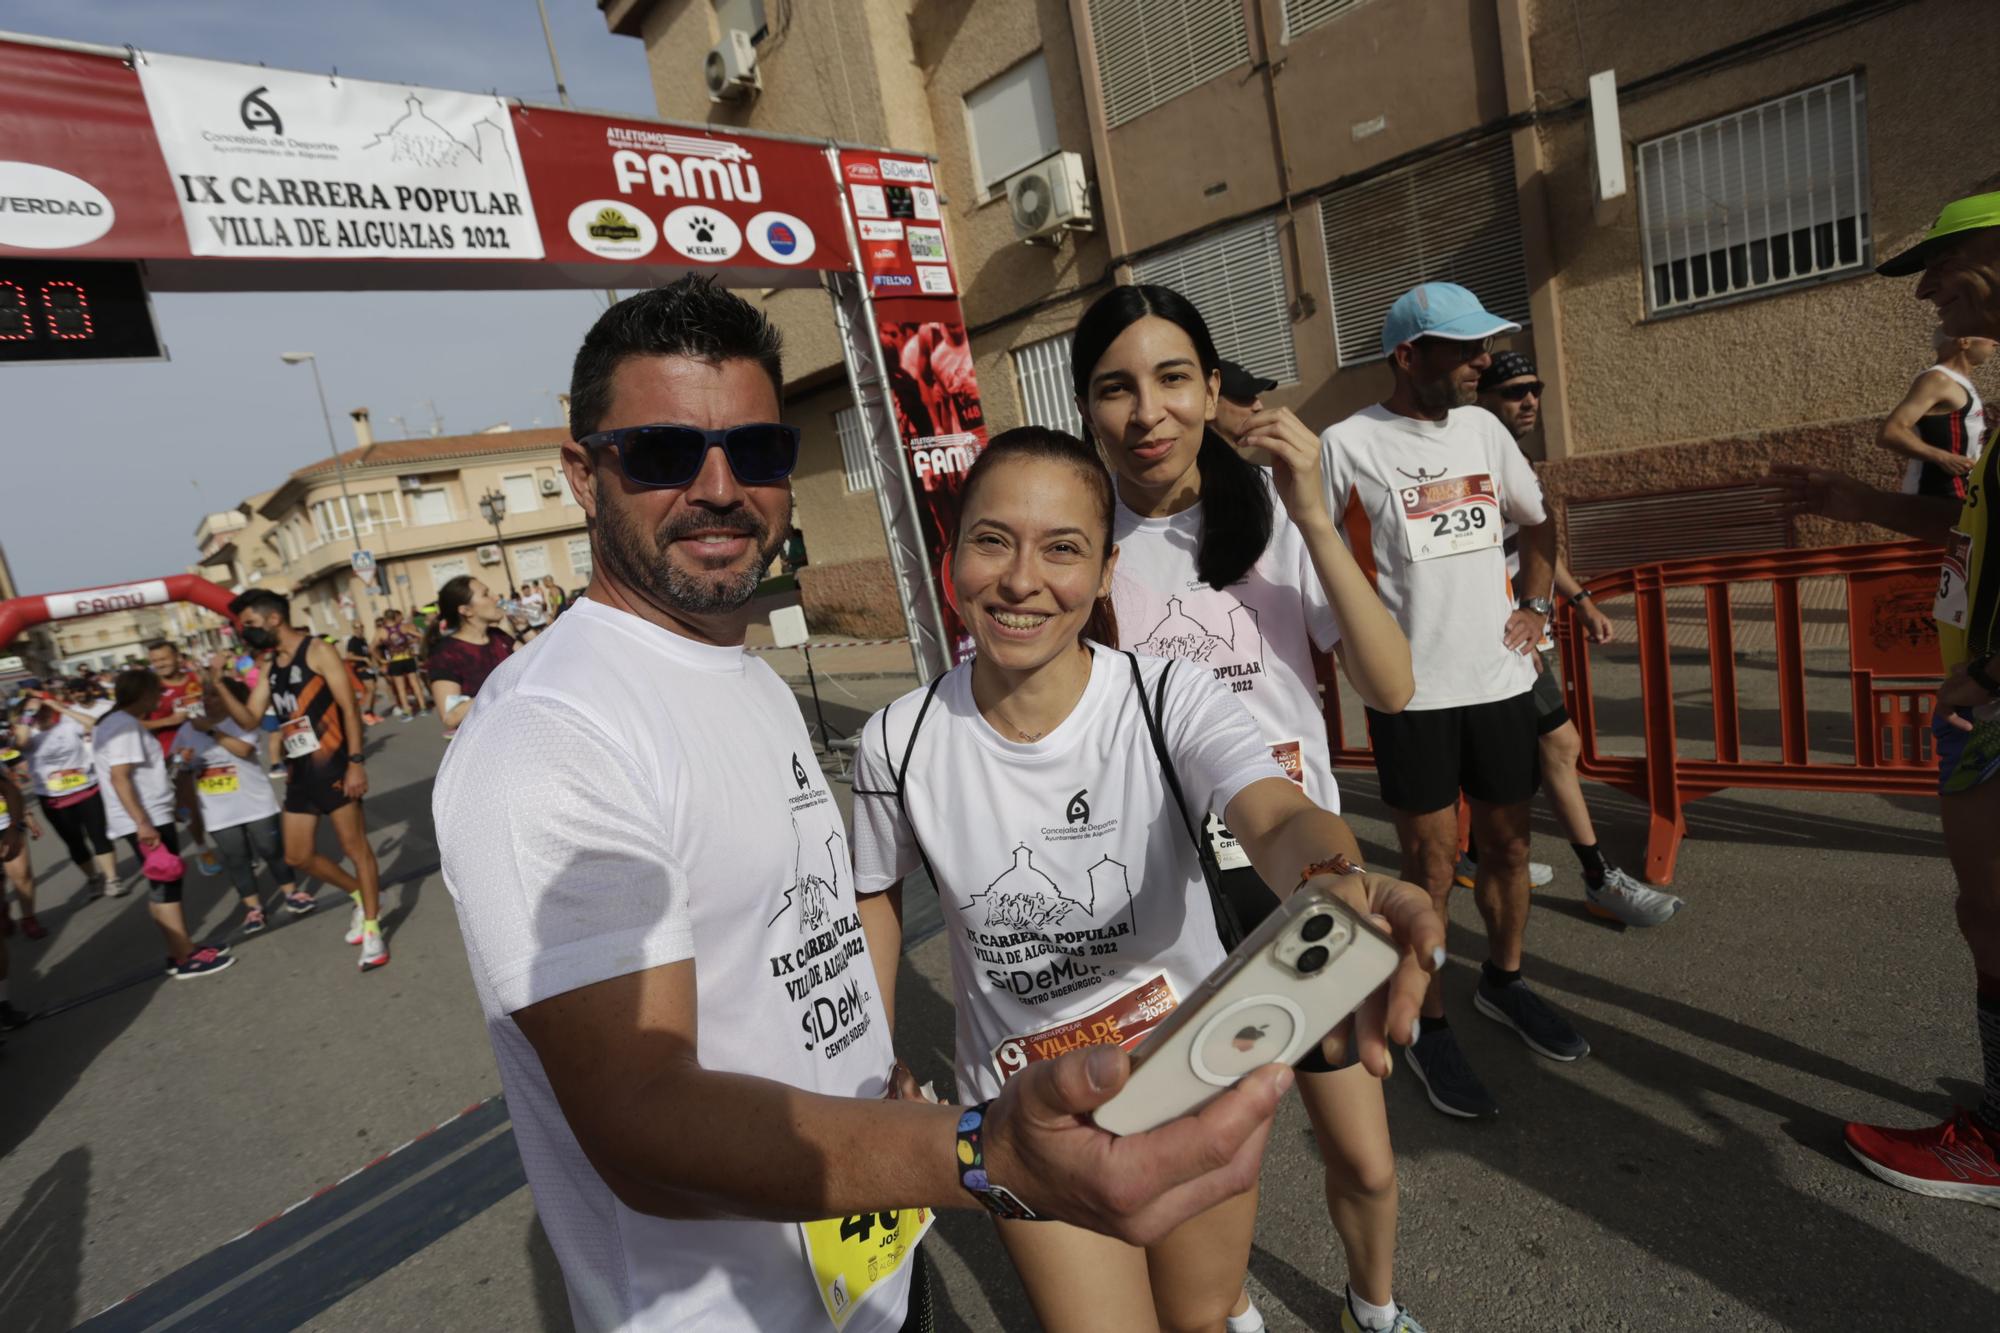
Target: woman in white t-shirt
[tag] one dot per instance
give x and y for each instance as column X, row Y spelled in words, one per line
column 221, row 779
column 60, row 769
column 1076, row 906
column 1241, row 570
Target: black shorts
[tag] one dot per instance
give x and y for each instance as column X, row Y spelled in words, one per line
column 1550, row 711
column 1253, row 900
column 403, row 667
column 312, row 784
column 1427, row 756
column 364, row 673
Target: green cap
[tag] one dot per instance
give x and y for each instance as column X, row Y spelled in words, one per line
column 1975, row 212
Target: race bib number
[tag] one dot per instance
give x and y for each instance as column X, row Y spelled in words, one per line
column 851, row 1256
column 66, row 780
column 217, row 780
column 1124, row 1020
column 1949, row 609
column 298, row 739
column 1450, row 516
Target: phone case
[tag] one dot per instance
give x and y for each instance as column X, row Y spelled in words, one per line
column 1257, row 1008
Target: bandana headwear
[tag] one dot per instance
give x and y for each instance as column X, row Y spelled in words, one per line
column 1506, row 366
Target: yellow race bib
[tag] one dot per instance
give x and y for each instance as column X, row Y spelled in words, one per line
column 219, row 780
column 66, row 780
column 851, row 1256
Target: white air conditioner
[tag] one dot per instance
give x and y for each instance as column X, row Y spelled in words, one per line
column 489, row 554
column 550, row 486
column 731, row 67
column 410, row 483
column 1050, row 197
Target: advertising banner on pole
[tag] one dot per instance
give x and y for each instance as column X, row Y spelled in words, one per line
column 270, row 163
column 925, row 350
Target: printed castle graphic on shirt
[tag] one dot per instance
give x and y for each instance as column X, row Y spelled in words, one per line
column 1230, row 643
column 814, row 895
column 1037, row 935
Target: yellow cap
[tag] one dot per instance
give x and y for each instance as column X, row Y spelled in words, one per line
column 1975, row 212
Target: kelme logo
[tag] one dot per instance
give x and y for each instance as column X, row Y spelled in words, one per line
column 1079, row 809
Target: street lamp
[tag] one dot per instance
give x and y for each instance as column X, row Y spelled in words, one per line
column 339, row 472
column 493, row 508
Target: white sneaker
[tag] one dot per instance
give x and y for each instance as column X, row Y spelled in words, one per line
column 1622, row 898
column 116, row 888
column 1250, row 1321
column 355, row 924
column 1540, row 873
column 374, row 951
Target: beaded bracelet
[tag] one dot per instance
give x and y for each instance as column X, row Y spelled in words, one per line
column 1337, row 864
column 999, row 1200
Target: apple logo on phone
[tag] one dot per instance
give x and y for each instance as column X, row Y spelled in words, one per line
column 1247, row 1039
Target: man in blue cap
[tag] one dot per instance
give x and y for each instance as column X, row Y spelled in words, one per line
column 1959, row 259
column 1426, row 481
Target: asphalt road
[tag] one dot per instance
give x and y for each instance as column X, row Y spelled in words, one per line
column 1688, row 1174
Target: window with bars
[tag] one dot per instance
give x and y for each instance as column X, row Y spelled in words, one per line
column 1303, row 14
column 1237, row 280
column 1048, row 400
column 853, row 449
column 1151, row 51
column 1453, row 218
column 1766, row 198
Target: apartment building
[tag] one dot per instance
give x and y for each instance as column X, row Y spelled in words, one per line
column 424, row 509
column 1293, row 165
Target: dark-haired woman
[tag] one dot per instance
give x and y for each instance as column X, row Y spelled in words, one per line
column 1030, row 782
column 463, row 647
column 1239, row 568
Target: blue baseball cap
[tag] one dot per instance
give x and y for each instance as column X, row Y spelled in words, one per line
column 1440, row 310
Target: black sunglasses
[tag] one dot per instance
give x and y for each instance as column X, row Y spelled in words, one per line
column 670, row 456
column 1514, row 393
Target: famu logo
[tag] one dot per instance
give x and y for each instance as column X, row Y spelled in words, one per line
column 612, row 229
column 1079, row 809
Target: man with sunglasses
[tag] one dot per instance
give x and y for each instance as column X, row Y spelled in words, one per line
column 1425, row 481
column 1959, row 260
column 1512, row 391
column 653, row 883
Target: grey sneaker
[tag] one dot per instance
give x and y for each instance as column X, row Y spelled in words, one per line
column 1404, row 1323
column 1448, row 1080
column 1546, row 1031
column 1622, row 898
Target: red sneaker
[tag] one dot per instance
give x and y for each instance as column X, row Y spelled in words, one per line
column 1955, row 1160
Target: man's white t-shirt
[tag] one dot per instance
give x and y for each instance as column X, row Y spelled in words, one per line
column 59, row 759
column 1258, row 636
column 119, row 739
column 232, row 790
column 1431, row 498
column 1069, row 885
column 624, row 798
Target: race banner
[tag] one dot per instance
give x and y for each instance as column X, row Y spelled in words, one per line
column 269, row 163
column 932, row 383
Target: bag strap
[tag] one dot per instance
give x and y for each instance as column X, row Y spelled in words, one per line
column 900, row 771
column 1227, row 924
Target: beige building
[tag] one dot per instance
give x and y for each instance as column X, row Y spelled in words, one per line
column 415, row 505
column 1294, row 165
column 109, row 641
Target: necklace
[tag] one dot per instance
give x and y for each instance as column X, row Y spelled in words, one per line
column 1025, row 736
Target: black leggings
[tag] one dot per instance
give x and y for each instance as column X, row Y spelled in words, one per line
column 81, row 827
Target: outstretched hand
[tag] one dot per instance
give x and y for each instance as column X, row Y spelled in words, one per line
column 1277, row 439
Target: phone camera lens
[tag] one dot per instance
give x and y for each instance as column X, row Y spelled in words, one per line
column 1316, row 928
column 1312, row 960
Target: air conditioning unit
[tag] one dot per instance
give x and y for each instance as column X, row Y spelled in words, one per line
column 1049, row 198
column 550, row 486
column 731, row 67
column 489, row 554
column 410, row 483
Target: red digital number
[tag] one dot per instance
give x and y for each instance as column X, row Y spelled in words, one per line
column 67, row 310
column 16, row 315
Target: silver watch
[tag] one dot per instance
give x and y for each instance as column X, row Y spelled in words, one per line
column 1541, row 606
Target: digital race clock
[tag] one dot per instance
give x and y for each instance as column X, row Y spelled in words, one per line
column 75, row 310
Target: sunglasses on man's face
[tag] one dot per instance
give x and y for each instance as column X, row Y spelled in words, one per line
column 670, row 456
column 1514, row 393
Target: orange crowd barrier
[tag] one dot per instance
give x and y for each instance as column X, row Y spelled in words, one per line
column 1892, row 669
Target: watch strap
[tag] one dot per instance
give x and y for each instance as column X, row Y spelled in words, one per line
column 997, row 1199
column 1579, row 597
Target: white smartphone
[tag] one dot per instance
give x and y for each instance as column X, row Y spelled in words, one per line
column 1293, row 980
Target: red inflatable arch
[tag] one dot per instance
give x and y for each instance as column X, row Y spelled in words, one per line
column 24, row 612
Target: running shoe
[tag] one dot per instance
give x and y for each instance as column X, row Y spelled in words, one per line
column 1403, row 1323
column 32, row 928
column 11, row 1018
column 253, row 920
column 1540, row 875
column 298, row 902
column 201, row 963
column 277, row 771
column 1958, row 1159
column 372, row 719
column 1546, row 1031
column 374, row 951
column 357, row 925
column 1447, row 1078
column 1250, row 1321
column 116, row 888
column 1622, row 898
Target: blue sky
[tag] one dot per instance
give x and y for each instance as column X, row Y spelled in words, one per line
column 112, row 466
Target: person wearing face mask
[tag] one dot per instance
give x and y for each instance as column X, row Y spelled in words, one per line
column 1425, row 481
column 305, row 681
column 1238, row 569
column 57, row 744
column 1080, row 909
column 464, row 646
